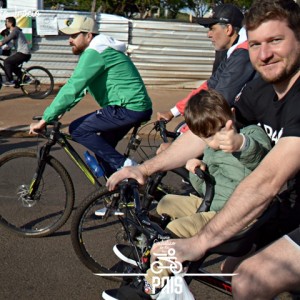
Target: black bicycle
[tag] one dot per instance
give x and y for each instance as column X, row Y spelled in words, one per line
column 36, row 191
column 128, row 218
column 35, row 82
column 128, row 221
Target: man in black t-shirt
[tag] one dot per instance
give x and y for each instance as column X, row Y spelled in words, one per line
column 280, row 118
column 273, row 28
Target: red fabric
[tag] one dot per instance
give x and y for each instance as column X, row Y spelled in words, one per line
column 182, row 103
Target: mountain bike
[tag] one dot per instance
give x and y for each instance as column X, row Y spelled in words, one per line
column 129, row 218
column 36, row 191
column 35, row 82
column 133, row 225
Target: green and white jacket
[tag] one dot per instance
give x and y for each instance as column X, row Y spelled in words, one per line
column 108, row 74
column 229, row 169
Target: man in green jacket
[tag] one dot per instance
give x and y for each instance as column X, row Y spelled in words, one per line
column 108, row 74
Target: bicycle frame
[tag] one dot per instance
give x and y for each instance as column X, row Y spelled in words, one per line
column 155, row 233
column 57, row 137
column 238, row 245
column 215, row 282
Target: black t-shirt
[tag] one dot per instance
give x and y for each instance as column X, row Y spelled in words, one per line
column 259, row 104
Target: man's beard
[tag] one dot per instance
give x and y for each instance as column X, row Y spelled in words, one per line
column 284, row 75
column 76, row 51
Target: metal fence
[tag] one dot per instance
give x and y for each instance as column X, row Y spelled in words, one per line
column 167, row 54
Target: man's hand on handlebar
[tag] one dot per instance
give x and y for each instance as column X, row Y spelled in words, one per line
column 139, row 173
column 37, row 127
column 165, row 115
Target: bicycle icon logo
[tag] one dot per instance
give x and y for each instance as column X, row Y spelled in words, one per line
column 166, row 261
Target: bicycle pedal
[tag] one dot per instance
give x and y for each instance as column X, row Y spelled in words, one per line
column 102, row 212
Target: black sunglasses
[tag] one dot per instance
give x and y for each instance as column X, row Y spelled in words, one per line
column 75, row 35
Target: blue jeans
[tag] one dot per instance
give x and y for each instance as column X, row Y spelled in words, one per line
column 101, row 131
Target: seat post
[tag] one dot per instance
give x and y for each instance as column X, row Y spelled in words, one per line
column 134, row 140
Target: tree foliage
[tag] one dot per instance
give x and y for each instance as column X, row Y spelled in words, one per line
column 174, row 6
column 117, row 7
column 131, row 8
column 200, row 7
column 240, row 3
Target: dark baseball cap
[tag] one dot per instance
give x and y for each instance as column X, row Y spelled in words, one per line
column 226, row 14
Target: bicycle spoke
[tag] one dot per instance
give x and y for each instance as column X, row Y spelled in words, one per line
column 37, row 82
column 88, row 229
column 40, row 214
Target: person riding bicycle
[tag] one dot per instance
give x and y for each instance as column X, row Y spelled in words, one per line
column 208, row 116
column 11, row 64
column 235, row 70
column 273, row 28
column 5, row 50
column 107, row 73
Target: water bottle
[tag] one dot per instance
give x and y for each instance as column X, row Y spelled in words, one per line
column 93, row 164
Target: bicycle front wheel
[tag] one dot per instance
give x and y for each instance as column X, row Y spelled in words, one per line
column 37, row 82
column 93, row 236
column 51, row 205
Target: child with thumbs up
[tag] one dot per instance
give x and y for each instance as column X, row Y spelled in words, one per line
column 231, row 154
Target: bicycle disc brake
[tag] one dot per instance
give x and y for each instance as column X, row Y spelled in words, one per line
column 23, row 196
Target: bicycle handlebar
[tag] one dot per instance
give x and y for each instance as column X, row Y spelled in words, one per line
column 55, row 123
column 164, row 133
column 56, row 126
column 209, row 189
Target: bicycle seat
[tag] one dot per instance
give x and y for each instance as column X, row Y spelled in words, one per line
column 27, row 59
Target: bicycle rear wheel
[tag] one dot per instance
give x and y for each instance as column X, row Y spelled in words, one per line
column 52, row 204
column 180, row 126
column 93, row 237
column 37, row 82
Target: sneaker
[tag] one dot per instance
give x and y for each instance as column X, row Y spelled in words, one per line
column 133, row 291
column 27, row 80
column 9, row 83
column 110, row 294
column 127, row 254
column 129, row 163
column 101, row 212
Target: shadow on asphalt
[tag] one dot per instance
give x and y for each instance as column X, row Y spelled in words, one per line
column 12, row 96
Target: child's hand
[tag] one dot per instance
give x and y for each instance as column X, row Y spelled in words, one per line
column 229, row 139
column 194, row 163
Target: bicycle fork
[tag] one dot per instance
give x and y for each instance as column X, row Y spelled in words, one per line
column 31, row 197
